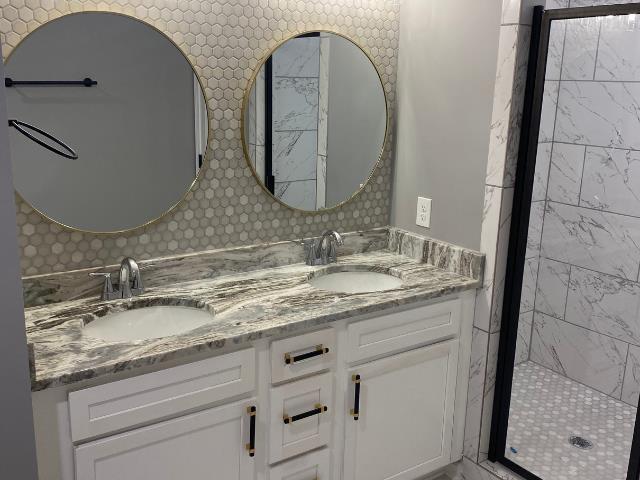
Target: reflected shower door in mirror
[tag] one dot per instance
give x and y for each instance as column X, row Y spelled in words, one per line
column 315, row 121
column 140, row 131
column 575, row 360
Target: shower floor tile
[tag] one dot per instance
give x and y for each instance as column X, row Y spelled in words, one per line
column 547, row 408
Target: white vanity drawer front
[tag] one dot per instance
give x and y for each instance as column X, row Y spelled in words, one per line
column 312, row 466
column 297, row 356
column 401, row 330
column 126, row 403
column 300, row 418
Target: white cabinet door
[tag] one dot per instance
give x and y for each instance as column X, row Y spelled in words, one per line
column 405, row 420
column 208, row 444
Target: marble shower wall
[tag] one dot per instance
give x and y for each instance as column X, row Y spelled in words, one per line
column 299, row 77
column 225, row 41
column 584, row 294
column 511, row 71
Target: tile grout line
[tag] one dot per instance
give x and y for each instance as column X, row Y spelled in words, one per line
column 626, row 342
column 604, row 147
column 590, row 270
column 566, row 297
column 624, row 373
column 595, row 209
column 584, row 166
column 595, row 60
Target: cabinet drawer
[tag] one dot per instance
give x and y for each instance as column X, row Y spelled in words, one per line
column 126, row 403
column 297, row 356
column 207, row 444
column 398, row 331
column 300, row 418
column 312, row 466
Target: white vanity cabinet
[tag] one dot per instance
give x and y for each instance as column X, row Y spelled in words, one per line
column 379, row 397
column 401, row 413
column 207, row 444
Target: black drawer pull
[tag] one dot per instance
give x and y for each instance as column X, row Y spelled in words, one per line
column 319, row 408
column 355, row 411
column 251, row 446
column 320, row 350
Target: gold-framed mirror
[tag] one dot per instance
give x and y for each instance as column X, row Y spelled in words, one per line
column 315, row 121
column 126, row 100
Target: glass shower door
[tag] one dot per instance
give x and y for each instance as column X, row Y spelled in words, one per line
column 571, row 365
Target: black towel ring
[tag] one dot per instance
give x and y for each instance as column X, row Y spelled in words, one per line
column 24, row 128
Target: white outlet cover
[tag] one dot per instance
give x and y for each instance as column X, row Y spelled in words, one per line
column 423, row 212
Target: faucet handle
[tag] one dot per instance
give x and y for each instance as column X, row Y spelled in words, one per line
column 107, row 287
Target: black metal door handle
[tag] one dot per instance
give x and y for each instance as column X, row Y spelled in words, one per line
column 251, row 446
column 320, row 350
column 355, row 411
column 319, row 408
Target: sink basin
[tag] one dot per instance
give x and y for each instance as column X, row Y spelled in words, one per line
column 147, row 323
column 354, row 281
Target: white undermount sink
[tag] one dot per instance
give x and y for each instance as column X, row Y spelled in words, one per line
column 356, row 281
column 147, row 323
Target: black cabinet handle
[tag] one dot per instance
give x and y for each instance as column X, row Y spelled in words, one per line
column 251, row 446
column 355, row 411
column 320, row 350
column 319, row 408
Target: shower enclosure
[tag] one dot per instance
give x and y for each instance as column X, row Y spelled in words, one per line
column 568, row 383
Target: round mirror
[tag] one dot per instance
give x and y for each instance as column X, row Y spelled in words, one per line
column 122, row 97
column 314, row 121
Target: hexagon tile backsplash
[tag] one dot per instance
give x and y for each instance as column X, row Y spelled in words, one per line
column 225, row 40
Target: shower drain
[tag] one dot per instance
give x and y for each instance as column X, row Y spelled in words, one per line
column 580, row 442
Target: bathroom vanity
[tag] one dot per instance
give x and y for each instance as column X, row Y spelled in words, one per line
column 344, row 357
column 288, row 380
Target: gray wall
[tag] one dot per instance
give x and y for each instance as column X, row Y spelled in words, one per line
column 446, row 77
column 17, row 446
column 134, row 131
column 357, row 120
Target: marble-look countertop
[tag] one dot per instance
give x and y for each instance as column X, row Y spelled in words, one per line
column 245, row 306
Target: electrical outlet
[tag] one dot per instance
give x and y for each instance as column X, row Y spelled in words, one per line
column 423, row 214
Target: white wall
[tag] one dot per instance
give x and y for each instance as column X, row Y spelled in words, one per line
column 446, row 77
column 17, row 446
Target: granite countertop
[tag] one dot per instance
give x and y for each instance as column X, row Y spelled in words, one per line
column 246, row 307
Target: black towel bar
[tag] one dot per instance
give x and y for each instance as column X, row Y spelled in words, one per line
column 87, row 82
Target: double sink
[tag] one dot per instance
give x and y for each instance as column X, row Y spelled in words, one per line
column 157, row 321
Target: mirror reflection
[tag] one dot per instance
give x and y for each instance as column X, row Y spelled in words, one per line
column 315, row 120
column 139, row 129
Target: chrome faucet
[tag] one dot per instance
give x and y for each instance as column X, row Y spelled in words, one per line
column 129, row 281
column 324, row 250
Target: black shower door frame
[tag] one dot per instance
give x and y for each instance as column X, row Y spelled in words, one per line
column 520, row 227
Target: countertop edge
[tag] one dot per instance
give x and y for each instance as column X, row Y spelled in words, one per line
column 260, row 333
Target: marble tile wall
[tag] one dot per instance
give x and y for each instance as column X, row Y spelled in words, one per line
column 504, row 139
column 296, row 96
column 300, row 141
column 225, row 40
column 587, row 294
